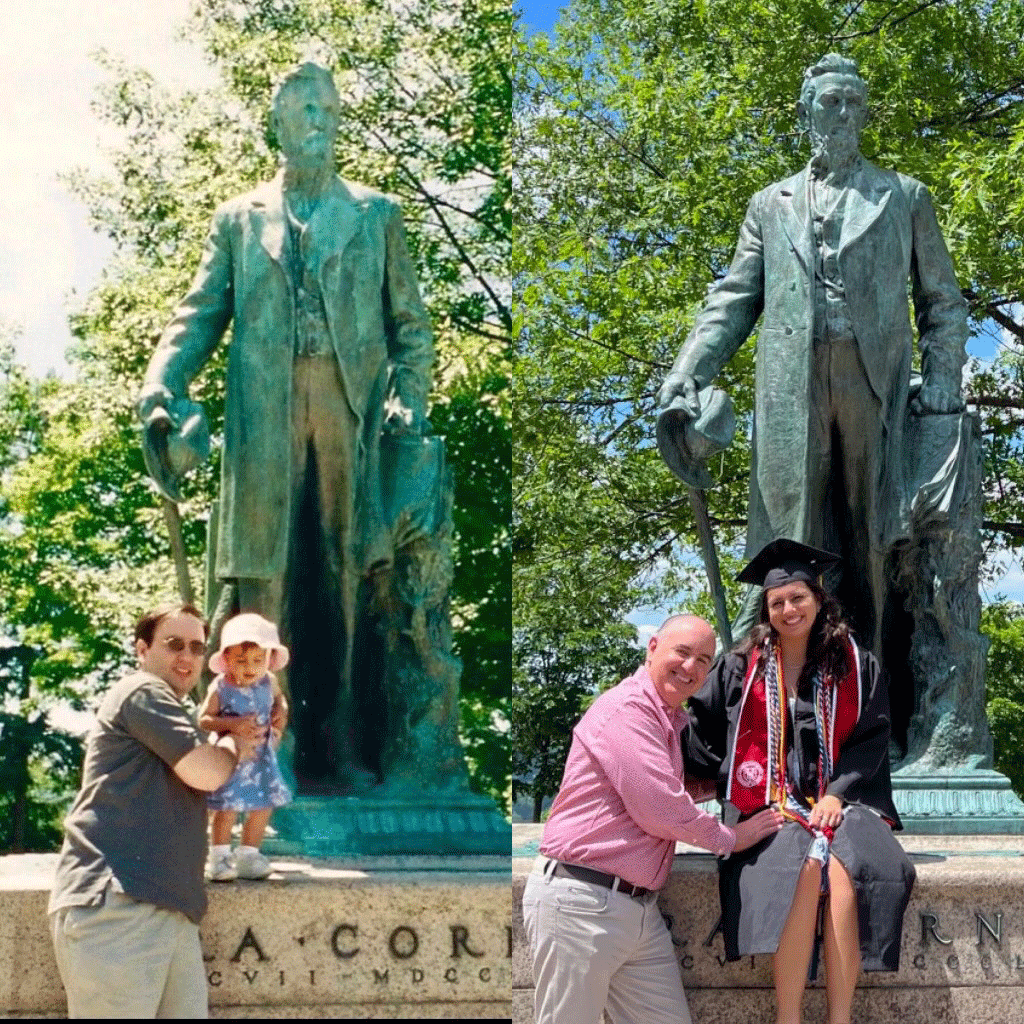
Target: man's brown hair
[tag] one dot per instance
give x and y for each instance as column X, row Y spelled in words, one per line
column 145, row 628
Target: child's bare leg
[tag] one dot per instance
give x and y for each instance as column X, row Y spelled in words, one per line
column 254, row 826
column 223, row 822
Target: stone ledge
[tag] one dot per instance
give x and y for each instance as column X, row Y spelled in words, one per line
column 357, row 938
column 871, row 1006
column 970, row 891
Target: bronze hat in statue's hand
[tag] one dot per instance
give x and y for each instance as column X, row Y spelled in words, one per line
column 175, row 439
column 686, row 443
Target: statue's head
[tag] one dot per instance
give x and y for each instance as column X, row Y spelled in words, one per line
column 305, row 113
column 833, row 105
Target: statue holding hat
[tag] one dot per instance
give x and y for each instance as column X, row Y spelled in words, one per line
column 821, row 274
column 850, row 451
column 334, row 516
column 329, row 339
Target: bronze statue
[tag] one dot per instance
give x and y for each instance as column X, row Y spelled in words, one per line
column 823, row 260
column 331, row 348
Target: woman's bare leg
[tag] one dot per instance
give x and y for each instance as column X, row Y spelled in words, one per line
column 791, row 960
column 842, row 944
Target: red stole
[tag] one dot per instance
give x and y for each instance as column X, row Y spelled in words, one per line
column 750, row 786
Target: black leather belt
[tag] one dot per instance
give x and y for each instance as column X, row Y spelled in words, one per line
column 583, row 874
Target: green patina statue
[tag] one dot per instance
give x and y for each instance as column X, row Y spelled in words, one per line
column 824, row 257
column 851, row 454
column 334, row 511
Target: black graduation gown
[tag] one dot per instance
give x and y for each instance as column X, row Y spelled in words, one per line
column 757, row 886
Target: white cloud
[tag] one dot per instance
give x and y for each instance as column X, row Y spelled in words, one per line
column 644, row 632
column 47, row 82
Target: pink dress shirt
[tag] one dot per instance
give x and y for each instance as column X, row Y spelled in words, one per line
column 622, row 805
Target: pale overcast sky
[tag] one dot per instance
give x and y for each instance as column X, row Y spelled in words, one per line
column 48, row 254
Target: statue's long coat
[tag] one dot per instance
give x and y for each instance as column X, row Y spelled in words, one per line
column 378, row 327
column 889, row 236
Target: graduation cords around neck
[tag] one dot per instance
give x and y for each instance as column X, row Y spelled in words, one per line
column 791, row 807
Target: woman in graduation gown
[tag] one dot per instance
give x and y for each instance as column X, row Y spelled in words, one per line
column 797, row 716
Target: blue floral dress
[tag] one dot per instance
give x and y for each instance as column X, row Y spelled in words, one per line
column 256, row 783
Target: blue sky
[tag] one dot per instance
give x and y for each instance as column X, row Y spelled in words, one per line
column 539, row 15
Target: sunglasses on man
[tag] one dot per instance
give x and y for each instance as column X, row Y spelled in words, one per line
column 176, row 644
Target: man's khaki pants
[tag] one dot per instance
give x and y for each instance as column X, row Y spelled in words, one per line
column 595, row 949
column 129, row 960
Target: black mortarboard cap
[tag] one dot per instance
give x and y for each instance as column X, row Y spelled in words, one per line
column 785, row 561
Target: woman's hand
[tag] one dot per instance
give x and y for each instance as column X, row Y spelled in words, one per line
column 828, row 811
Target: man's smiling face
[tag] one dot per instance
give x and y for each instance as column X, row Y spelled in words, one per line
column 176, row 653
column 678, row 658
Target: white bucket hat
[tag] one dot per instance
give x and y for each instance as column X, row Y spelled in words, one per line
column 254, row 629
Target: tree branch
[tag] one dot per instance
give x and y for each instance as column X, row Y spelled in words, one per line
column 884, row 21
column 1014, row 530
column 500, row 307
column 585, row 336
column 995, row 402
column 994, row 310
column 594, row 403
column 613, row 136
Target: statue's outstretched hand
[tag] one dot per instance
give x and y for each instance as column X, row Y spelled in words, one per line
column 684, row 386
column 933, row 399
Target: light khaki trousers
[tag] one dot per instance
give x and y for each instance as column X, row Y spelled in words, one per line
column 594, row 950
column 129, row 960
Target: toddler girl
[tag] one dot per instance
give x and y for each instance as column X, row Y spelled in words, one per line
column 245, row 698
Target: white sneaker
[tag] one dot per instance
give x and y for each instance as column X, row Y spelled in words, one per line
column 220, row 865
column 251, row 863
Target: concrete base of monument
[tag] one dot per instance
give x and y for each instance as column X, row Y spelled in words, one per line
column 341, row 939
column 962, row 956
column 961, row 802
column 447, row 824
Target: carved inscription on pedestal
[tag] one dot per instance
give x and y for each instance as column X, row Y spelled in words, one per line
column 349, row 959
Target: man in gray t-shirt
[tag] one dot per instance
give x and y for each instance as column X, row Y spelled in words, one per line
column 128, row 895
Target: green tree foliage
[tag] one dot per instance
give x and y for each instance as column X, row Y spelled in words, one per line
column 79, row 550
column 62, row 621
column 1003, row 624
column 558, row 673
column 426, row 111
column 645, row 129
column 39, row 764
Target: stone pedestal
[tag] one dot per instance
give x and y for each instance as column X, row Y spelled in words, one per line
column 383, row 938
column 962, row 956
column 461, row 824
column 943, row 802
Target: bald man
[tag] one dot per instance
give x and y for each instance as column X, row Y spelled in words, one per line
column 598, row 939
